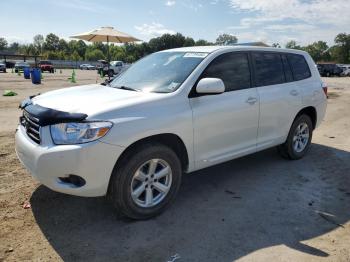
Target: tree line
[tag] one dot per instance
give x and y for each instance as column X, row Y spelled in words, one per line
column 55, row 48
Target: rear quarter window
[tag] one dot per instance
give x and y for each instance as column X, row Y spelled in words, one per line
column 299, row 66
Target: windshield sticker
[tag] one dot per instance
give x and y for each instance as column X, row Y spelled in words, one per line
column 172, row 86
column 196, row 55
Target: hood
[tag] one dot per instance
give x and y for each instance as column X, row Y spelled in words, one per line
column 91, row 99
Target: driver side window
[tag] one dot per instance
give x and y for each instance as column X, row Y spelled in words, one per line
column 232, row 69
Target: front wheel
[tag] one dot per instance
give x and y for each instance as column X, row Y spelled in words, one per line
column 299, row 139
column 145, row 181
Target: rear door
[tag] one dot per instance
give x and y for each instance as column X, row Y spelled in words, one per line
column 280, row 98
column 225, row 125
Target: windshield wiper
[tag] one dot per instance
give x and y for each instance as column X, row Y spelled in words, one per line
column 128, row 88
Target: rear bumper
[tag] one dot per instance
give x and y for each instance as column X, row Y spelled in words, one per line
column 47, row 162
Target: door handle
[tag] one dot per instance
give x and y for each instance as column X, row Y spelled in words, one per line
column 294, row 92
column 251, row 100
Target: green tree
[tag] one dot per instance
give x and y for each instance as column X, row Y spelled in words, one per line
column 38, row 42
column 189, row 41
column 3, row 43
column 53, row 55
column 14, row 47
column 94, row 55
column 292, row 45
column 29, row 49
column 276, row 45
column 167, row 41
column 75, row 56
column 51, row 42
column 117, row 53
column 226, row 39
column 342, row 41
column 202, row 42
column 78, row 46
column 63, row 46
column 318, row 51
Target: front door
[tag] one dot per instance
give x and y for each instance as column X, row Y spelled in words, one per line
column 225, row 125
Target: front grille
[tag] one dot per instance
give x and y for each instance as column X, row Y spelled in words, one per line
column 31, row 124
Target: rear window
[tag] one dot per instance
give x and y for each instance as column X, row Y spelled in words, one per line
column 299, row 67
column 268, row 69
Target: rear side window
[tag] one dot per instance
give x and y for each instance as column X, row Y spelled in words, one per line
column 232, row 69
column 268, row 69
column 299, row 67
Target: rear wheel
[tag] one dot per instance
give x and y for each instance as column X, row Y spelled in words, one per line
column 145, row 181
column 299, row 139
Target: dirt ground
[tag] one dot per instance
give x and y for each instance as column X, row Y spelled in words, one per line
column 257, row 208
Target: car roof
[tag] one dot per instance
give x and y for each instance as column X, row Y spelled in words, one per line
column 211, row 49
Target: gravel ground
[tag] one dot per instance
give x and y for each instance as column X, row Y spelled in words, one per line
column 257, row 208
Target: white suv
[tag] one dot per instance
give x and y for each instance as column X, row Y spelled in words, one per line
column 174, row 111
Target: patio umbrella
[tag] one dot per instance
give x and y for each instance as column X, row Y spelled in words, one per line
column 106, row 34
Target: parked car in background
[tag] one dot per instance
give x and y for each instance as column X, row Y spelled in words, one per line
column 174, row 111
column 2, row 67
column 10, row 64
column 329, row 70
column 87, row 67
column 346, row 70
column 46, row 66
column 115, row 67
column 19, row 66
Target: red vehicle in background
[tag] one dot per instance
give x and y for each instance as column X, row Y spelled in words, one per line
column 46, row 66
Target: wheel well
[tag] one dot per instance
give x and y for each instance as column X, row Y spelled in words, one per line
column 171, row 140
column 311, row 112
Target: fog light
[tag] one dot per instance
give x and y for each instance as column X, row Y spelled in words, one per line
column 77, row 181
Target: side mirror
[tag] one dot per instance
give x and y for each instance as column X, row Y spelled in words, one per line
column 210, row 86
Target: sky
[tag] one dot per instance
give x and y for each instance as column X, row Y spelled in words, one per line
column 270, row 21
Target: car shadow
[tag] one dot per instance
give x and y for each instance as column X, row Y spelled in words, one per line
column 222, row 213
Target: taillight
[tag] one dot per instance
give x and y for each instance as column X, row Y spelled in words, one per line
column 325, row 88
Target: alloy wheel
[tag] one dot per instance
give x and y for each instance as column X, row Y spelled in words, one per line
column 151, row 183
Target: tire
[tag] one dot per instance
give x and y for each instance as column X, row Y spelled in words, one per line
column 110, row 73
column 288, row 150
column 123, row 181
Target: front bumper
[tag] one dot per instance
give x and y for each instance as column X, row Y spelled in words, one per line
column 47, row 162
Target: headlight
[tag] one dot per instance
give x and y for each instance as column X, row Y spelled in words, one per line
column 78, row 133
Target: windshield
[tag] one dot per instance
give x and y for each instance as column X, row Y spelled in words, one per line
column 161, row 72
